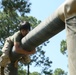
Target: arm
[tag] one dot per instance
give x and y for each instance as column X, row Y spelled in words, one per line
column 18, row 49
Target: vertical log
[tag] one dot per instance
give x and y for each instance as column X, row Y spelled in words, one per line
column 70, row 22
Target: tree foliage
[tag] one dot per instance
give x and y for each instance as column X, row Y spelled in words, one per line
column 35, row 73
column 59, row 71
column 63, row 47
column 21, row 6
column 41, row 60
column 21, row 71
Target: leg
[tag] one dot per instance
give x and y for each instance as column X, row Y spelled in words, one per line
column 5, row 53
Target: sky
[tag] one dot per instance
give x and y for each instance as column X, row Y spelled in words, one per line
column 42, row 9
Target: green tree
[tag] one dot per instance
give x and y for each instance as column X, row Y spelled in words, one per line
column 59, row 71
column 35, row 73
column 20, row 6
column 63, row 47
column 21, row 71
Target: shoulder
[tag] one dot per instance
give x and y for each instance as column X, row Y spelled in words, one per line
column 17, row 33
column 15, row 36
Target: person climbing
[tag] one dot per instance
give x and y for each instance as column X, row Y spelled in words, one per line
column 15, row 40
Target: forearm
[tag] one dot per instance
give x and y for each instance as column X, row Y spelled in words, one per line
column 22, row 51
